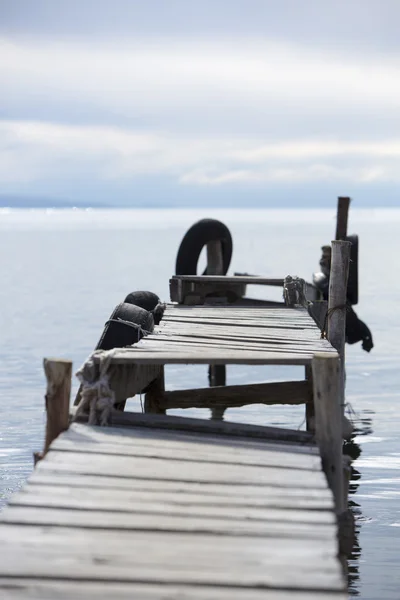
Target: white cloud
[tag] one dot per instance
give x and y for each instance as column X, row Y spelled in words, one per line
column 199, row 113
column 196, row 83
column 34, row 151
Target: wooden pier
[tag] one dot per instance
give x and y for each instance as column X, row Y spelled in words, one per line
column 149, row 513
column 163, row 507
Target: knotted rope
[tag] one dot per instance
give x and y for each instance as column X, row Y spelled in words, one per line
column 97, row 397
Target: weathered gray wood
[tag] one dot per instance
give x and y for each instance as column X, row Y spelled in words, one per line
column 69, row 552
column 190, row 491
column 216, row 373
column 58, row 375
column 195, row 452
column 158, row 468
column 215, row 264
column 310, row 411
column 342, row 217
column 188, row 342
column 190, row 521
column 328, row 421
column 234, row 357
column 337, row 306
column 205, row 426
column 153, row 395
column 304, row 508
column 167, row 439
column 49, row 589
column 277, row 281
column 287, row 392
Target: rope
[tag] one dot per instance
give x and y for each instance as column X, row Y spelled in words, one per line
column 97, row 397
column 330, row 312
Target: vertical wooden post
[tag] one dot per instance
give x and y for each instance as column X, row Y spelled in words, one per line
column 337, row 305
column 216, row 373
column 342, row 217
column 215, row 263
column 153, row 393
column 58, row 374
column 328, row 420
column 310, row 411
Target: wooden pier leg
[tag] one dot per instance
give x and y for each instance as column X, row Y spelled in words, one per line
column 337, row 305
column 216, row 373
column 342, row 216
column 310, row 411
column 155, row 390
column 58, row 374
column 215, row 263
column 328, row 420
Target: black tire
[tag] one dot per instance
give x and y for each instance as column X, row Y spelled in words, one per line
column 146, row 300
column 352, row 286
column 195, row 239
column 125, row 326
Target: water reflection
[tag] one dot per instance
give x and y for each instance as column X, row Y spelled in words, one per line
column 362, row 424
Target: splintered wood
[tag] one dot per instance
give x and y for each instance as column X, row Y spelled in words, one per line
column 144, row 513
column 228, row 335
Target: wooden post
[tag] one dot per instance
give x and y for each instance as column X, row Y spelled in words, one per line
column 58, row 374
column 155, row 390
column 337, row 305
column 215, row 263
column 216, row 373
column 342, row 217
column 310, row 411
column 328, row 420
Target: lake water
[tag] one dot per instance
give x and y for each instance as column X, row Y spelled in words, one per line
column 62, row 272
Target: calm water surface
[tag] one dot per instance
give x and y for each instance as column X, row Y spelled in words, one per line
column 62, row 272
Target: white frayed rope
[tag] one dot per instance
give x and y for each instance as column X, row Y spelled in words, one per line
column 97, row 398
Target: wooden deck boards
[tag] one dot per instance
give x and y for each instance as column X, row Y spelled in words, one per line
column 228, row 335
column 118, row 513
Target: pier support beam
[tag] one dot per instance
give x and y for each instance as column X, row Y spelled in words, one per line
column 154, row 393
column 58, row 375
column 216, row 373
column 328, row 421
column 337, row 306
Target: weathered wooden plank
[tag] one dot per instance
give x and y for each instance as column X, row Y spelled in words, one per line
column 273, row 281
column 286, row 392
column 220, row 494
column 49, row 589
column 249, row 326
column 241, row 342
column 243, row 316
column 189, row 522
column 228, row 428
column 194, row 347
column 141, row 357
column 164, row 438
column 231, row 309
column 156, row 557
column 185, row 452
column 185, row 498
column 273, row 331
column 140, row 467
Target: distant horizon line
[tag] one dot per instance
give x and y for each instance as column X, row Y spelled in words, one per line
column 97, row 207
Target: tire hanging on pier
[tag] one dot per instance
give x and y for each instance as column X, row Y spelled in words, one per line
column 194, row 240
column 125, row 326
column 149, row 301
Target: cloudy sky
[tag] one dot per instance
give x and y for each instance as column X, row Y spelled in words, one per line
column 190, row 102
